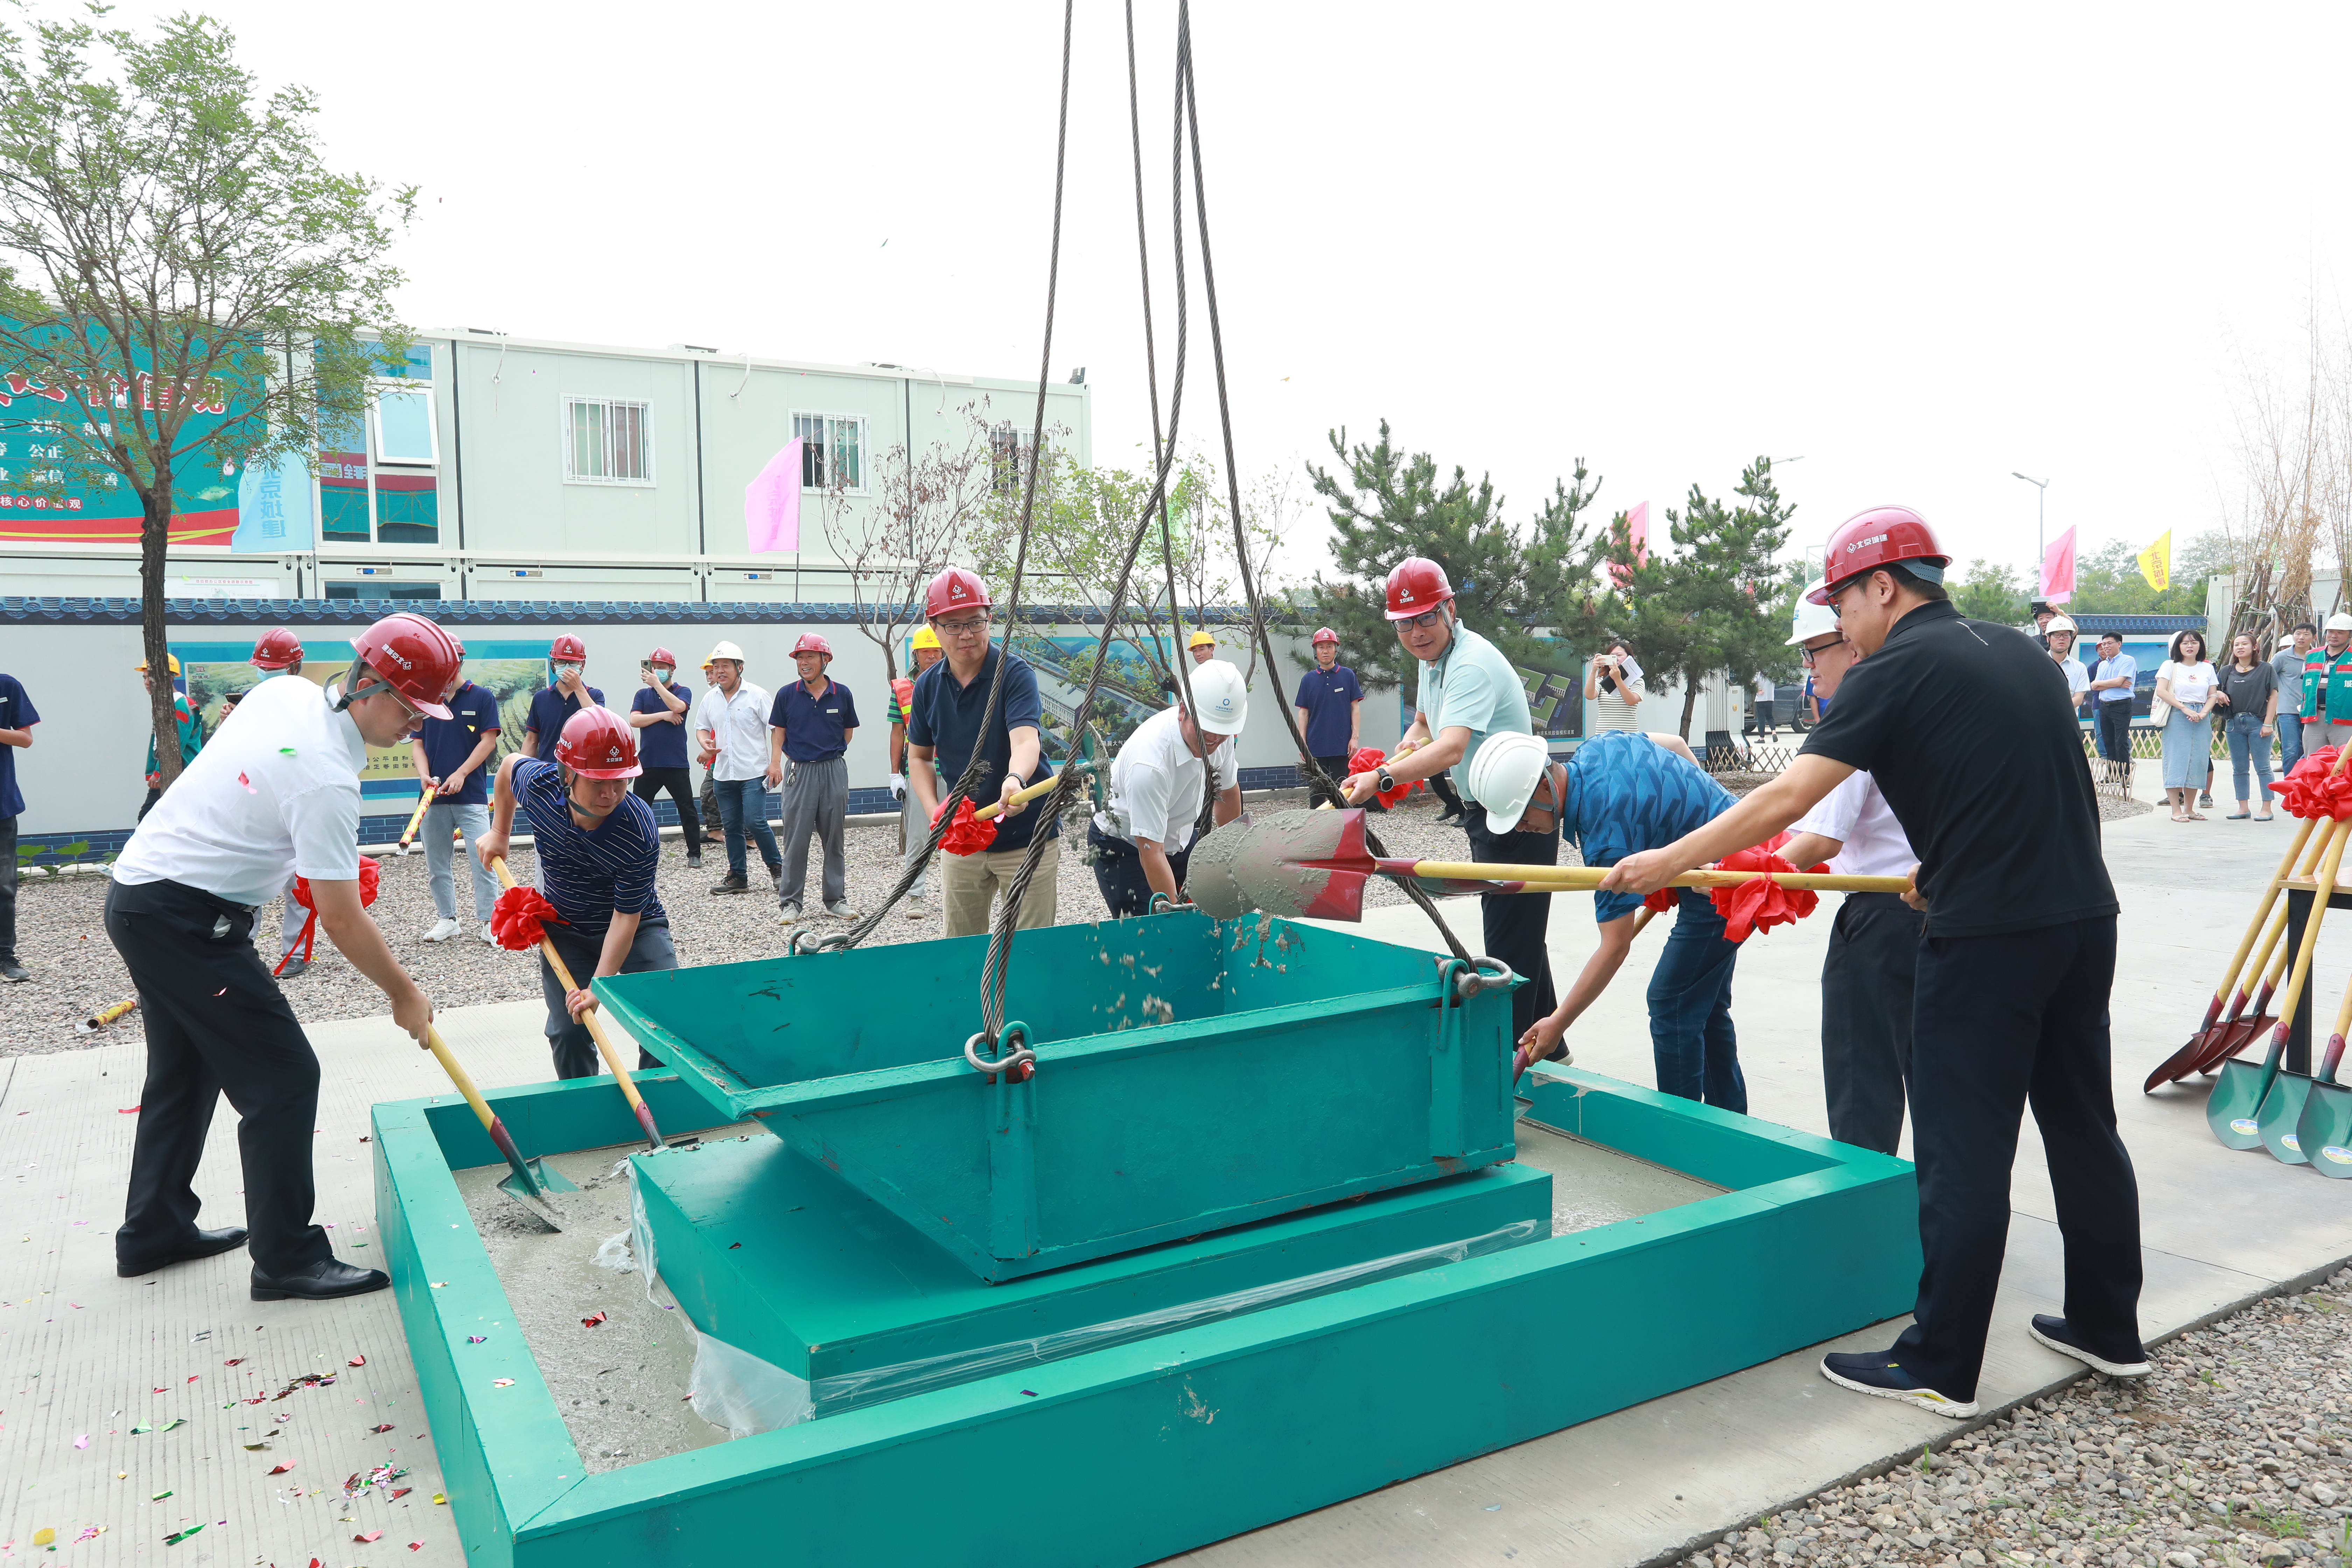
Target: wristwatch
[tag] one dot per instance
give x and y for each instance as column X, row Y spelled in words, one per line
column 1386, row 781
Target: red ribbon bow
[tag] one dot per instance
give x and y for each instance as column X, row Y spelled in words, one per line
column 1663, row 901
column 517, row 920
column 371, row 879
column 2312, row 789
column 967, row 835
column 1761, row 903
column 1368, row 760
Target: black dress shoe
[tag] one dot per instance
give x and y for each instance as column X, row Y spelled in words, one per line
column 319, row 1282
column 203, row 1244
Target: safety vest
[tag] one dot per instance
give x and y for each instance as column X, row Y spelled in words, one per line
column 2328, row 684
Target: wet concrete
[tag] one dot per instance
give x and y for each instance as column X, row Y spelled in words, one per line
column 1593, row 1185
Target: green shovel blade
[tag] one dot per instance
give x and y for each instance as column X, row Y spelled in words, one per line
column 2281, row 1115
column 2233, row 1108
column 2325, row 1130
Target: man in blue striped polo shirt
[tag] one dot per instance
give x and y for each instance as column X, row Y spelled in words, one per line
column 598, row 847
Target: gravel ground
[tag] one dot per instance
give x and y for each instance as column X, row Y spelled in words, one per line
column 2236, row 1450
column 62, row 939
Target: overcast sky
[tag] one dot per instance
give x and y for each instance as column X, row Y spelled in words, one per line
column 1917, row 249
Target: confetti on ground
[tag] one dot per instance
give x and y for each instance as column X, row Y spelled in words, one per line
column 43, row 1536
column 416, row 1546
column 591, row 1322
column 356, row 1361
column 279, row 1469
column 159, row 1497
column 502, row 1383
column 368, row 1535
column 255, row 1447
column 174, row 1540
column 82, row 1441
column 399, row 1492
column 89, row 1532
column 385, row 1427
column 472, row 1339
column 233, row 1361
column 438, row 1499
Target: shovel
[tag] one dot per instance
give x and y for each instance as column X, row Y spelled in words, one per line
column 1315, row 864
column 408, row 835
column 2279, row 1121
column 2324, row 1131
column 2209, row 1047
column 530, row 1182
column 595, row 1028
column 2233, row 1108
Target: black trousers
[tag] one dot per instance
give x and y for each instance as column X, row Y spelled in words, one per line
column 1337, row 766
column 149, row 804
column 2000, row 1023
column 1441, row 786
column 1867, row 983
column 1119, row 873
column 216, row 1023
column 7, row 887
column 1516, row 923
column 679, row 782
column 2115, row 730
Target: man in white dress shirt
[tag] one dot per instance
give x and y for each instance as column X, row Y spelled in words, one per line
column 1866, row 980
column 731, row 729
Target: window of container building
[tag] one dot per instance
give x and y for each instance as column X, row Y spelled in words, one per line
column 607, row 441
column 342, row 479
column 381, row 588
column 832, row 450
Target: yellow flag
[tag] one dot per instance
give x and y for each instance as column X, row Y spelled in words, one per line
column 2156, row 562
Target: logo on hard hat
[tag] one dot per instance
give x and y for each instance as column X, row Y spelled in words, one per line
column 1873, row 539
column 1405, row 595
column 955, row 590
column 393, row 654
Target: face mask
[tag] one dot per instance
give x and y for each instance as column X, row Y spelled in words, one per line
column 566, row 671
column 663, row 675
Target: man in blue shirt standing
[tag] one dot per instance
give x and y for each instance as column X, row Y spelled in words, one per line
column 2111, row 690
column 452, row 754
column 1328, row 705
column 944, row 731
column 597, row 847
column 18, row 717
column 812, row 722
column 659, row 714
column 554, row 707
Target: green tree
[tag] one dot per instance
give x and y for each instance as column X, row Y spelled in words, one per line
column 172, row 243
column 1991, row 592
column 1716, row 605
column 1507, row 578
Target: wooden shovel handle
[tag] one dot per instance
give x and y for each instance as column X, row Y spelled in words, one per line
column 591, row 1017
column 1585, row 879
column 1032, row 791
column 2286, row 867
column 2338, row 835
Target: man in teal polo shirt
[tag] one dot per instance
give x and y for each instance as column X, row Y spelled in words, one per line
column 1469, row 692
column 2328, row 688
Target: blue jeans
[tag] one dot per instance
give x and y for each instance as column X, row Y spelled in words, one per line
column 744, row 808
column 2246, row 741
column 1697, row 1055
column 2290, row 740
column 443, row 818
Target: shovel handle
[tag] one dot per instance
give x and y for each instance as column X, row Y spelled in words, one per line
column 1585, row 878
column 2270, row 894
column 594, row 1022
column 1032, row 791
column 2289, row 999
column 490, row 1119
column 2335, row 1056
column 408, row 833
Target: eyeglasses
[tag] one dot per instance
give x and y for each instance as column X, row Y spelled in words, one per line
column 1810, row 654
column 1425, row 619
column 964, row 628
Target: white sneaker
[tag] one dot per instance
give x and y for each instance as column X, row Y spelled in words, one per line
column 442, row 929
column 487, row 940
column 915, row 910
column 788, row 915
column 839, row 909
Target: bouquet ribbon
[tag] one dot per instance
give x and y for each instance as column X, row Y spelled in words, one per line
column 371, row 880
column 1763, row 903
column 2313, row 789
column 1367, row 759
column 518, row 920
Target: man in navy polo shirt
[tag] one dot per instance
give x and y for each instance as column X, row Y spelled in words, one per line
column 812, row 722
column 597, row 847
column 1328, row 704
column 452, row 752
column 659, row 713
column 943, row 730
column 552, row 709
column 18, row 717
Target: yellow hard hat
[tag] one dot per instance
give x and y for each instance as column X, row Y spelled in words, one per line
column 1201, row 639
column 926, row 637
column 172, row 658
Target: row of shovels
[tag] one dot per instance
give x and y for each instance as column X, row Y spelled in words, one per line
column 2300, row 1120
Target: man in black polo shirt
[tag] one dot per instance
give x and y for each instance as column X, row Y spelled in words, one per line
column 1968, row 730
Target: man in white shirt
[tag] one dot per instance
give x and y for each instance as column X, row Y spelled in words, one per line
column 1143, row 838
column 2060, row 635
column 1866, row 979
column 731, row 726
column 276, row 792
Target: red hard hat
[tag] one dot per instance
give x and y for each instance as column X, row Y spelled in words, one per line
column 952, row 590
column 595, row 744
column 1324, row 633
column 1417, row 586
column 1883, row 536
column 411, row 654
column 812, row 643
column 568, row 647
column 277, row 649
column 662, row 656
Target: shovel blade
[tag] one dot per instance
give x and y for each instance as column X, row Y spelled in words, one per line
column 2230, row 1036
column 2324, row 1131
column 2279, row 1122
column 1209, row 876
column 2235, row 1103
column 533, row 1194
column 2180, row 1063
column 1306, row 864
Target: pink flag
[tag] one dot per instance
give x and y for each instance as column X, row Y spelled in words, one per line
column 1637, row 529
column 771, row 503
column 2058, row 569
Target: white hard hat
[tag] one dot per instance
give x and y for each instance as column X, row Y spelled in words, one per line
column 2060, row 624
column 2338, row 622
column 1811, row 620
column 1220, row 701
column 725, row 651
column 1503, row 775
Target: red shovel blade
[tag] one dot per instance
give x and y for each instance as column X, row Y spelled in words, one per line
column 1306, row 864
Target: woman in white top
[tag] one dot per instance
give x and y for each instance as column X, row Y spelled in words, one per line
column 1612, row 683
column 2185, row 684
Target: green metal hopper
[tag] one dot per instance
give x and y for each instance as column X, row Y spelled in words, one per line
column 1192, row 1075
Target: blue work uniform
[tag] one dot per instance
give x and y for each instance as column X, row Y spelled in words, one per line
column 662, row 745
column 815, row 727
column 551, row 710
column 590, row 876
column 945, row 713
column 1329, row 697
column 1625, row 794
column 447, row 742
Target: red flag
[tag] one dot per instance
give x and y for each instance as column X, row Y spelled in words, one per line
column 1637, row 530
column 2058, row 569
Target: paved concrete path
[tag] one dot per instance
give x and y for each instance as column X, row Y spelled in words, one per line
column 85, row 1354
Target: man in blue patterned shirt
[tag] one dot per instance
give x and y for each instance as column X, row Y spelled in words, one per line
column 598, row 847
column 1627, row 792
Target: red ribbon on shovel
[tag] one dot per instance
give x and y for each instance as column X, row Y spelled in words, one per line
column 371, row 879
column 1763, row 903
column 2314, row 788
column 519, row 919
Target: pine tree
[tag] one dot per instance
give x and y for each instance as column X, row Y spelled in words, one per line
column 1507, row 579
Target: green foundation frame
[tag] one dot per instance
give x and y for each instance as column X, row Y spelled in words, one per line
column 1135, row 1452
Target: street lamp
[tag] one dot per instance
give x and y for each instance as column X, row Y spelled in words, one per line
column 2041, row 487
